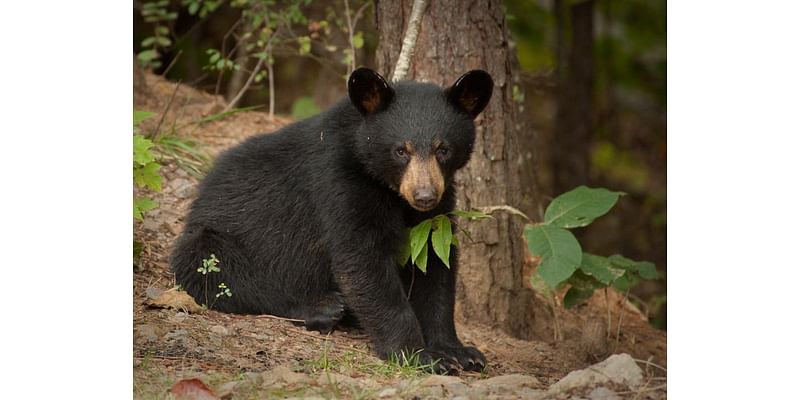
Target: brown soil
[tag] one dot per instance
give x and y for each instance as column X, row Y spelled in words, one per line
column 170, row 345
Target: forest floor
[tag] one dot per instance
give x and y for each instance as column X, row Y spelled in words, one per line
column 263, row 357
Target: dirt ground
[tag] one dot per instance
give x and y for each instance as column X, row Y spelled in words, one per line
column 171, row 345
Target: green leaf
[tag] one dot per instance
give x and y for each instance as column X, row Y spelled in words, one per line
column 141, row 150
column 419, row 238
column 575, row 296
column 538, row 284
column 600, row 268
column 442, row 238
column 163, row 41
column 645, row 269
column 305, row 45
column 358, row 40
column 139, row 116
column 193, row 7
column 142, row 205
column 421, row 261
column 625, row 282
column 147, row 55
column 560, row 252
column 148, row 41
column 470, row 214
column 580, row 206
column 147, row 176
column 405, row 252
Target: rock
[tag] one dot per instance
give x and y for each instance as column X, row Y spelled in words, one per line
column 457, row 389
column 219, row 330
column 179, row 317
column 442, row 380
column 333, row 378
column 603, row 393
column 147, row 332
column 388, row 392
column 508, row 383
column 226, row 390
column 153, row 292
column 183, row 188
column 619, row 369
column 283, row 375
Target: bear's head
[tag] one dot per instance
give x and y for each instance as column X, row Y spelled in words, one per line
column 415, row 136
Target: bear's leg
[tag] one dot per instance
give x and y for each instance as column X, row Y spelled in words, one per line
column 433, row 299
column 324, row 314
column 249, row 294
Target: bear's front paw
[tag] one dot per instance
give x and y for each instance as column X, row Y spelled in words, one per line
column 438, row 362
column 469, row 358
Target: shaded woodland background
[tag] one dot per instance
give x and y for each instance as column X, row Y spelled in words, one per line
column 592, row 87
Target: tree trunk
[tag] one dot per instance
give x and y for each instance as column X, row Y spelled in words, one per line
column 574, row 118
column 455, row 37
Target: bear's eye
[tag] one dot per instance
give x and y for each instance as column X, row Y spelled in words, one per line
column 442, row 152
column 401, row 152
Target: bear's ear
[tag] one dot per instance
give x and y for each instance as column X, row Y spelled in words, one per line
column 471, row 92
column 368, row 91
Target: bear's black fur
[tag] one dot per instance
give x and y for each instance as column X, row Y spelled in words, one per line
column 307, row 221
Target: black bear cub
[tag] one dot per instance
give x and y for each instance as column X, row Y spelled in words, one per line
column 307, row 222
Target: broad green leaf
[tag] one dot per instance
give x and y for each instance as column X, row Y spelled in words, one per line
column 405, row 251
column 470, row 214
column 141, row 150
column 600, row 268
column 538, row 284
column 575, row 296
column 645, row 269
column 625, row 282
column 141, row 205
column 560, row 252
column 358, row 40
column 582, row 288
column 148, row 176
column 139, row 116
column 193, row 8
column 421, row 260
column 580, row 206
column 442, row 238
column 147, row 42
column 419, row 238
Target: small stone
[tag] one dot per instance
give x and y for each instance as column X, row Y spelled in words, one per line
column 508, row 383
column 441, row 380
column 619, row 368
column 178, row 334
column 178, row 317
column 388, row 392
column 147, row 332
column 153, row 292
column 219, row 330
column 603, row 393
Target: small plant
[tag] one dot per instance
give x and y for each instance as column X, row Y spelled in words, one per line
column 211, row 264
column 145, row 167
column 156, row 13
column 440, row 231
column 562, row 260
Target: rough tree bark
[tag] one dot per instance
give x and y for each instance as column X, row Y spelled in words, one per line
column 455, row 37
column 573, row 128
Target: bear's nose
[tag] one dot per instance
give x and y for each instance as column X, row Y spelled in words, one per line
column 425, row 197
